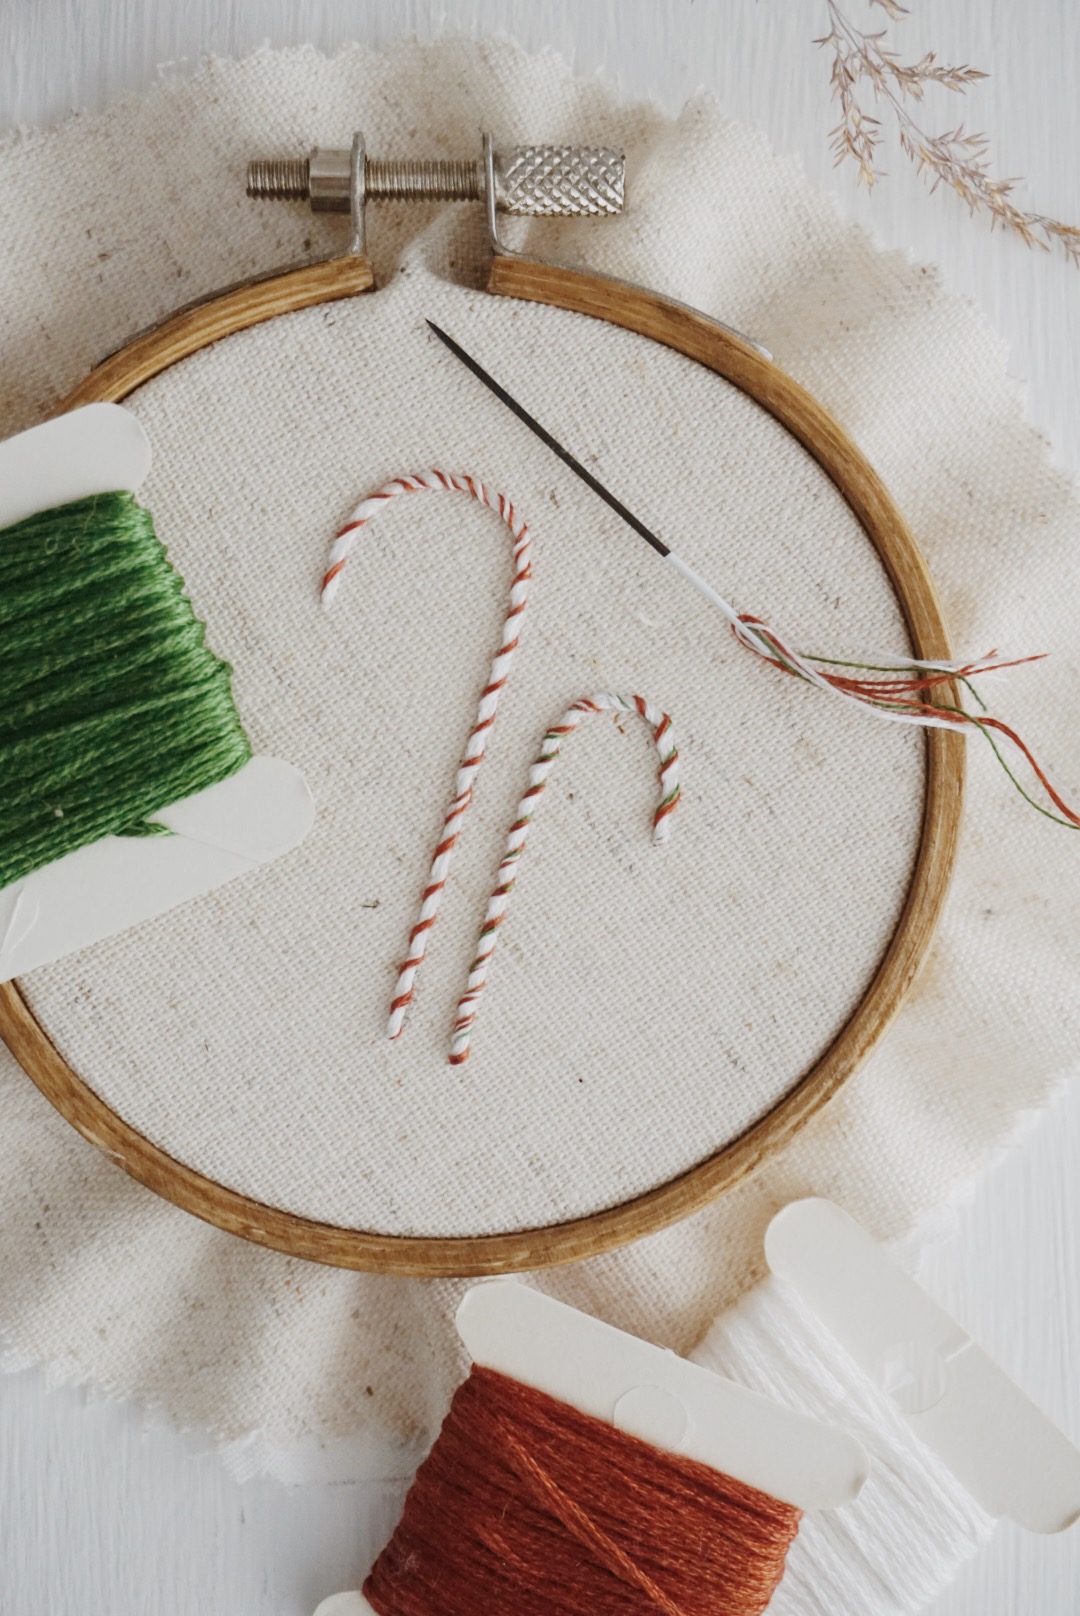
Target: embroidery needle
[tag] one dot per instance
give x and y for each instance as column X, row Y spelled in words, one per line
column 586, row 476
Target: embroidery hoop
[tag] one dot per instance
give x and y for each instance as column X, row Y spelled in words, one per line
column 744, row 365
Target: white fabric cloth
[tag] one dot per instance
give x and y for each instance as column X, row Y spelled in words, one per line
column 245, row 1033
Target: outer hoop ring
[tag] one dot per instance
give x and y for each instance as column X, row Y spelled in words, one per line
column 702, row 339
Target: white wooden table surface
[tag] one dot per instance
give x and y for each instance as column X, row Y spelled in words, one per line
column 99, row 1519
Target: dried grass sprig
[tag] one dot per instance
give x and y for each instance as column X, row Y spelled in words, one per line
column 957, row 157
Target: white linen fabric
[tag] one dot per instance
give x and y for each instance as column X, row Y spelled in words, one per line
column 646, row 1004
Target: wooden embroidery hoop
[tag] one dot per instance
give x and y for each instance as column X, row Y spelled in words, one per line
column 746, row 366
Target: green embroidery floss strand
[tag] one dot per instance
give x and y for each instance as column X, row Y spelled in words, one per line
column 111, row 705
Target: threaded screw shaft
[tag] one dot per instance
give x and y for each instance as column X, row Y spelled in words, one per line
column 279, row 179
column 418, row 180
column 288, row 179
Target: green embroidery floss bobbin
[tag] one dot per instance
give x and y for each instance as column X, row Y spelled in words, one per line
column 127, row 782
column 111, row 704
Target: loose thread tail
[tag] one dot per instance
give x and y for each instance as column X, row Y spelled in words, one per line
column 907, row 698
column 550, row 746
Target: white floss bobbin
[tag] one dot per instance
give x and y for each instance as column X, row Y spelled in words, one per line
column 1009, row 1456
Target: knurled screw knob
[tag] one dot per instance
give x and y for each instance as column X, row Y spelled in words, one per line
column 567, row 180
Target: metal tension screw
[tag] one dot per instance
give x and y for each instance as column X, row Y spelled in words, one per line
column 536, row 180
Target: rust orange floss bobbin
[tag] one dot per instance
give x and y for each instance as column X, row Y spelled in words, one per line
column 583, row 1472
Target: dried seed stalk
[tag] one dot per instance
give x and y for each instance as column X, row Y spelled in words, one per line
column 957, row 158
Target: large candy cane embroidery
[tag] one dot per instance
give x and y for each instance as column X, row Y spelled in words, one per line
column 489, row 700
column 550, row 747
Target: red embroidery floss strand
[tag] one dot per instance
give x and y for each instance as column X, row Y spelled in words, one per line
column 527, row 1507
column 476, row 746
column 506, row 880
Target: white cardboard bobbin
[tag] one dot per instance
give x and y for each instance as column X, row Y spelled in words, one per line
column 1007, row 1454
column 262, row 811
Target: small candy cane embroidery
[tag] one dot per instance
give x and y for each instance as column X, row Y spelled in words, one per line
column 473, row 756
column 550, row 747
